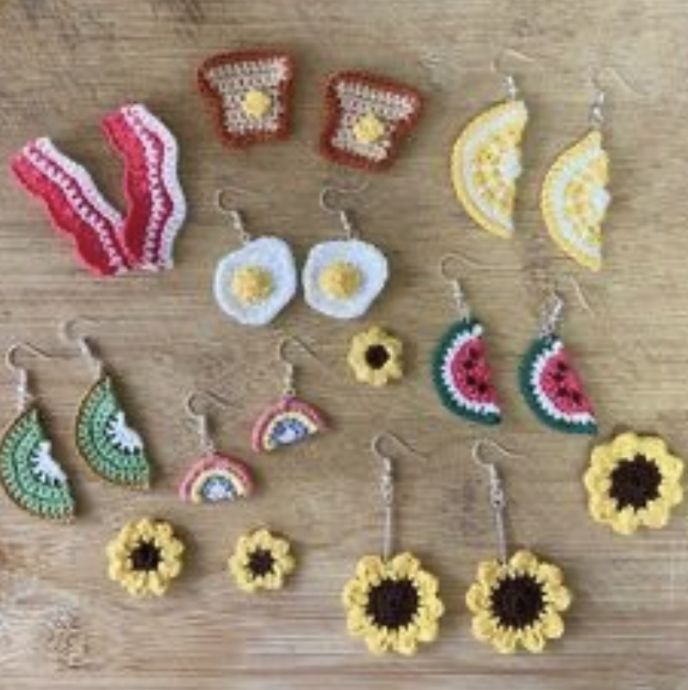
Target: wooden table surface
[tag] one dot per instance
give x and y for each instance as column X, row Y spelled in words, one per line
column 64, row 63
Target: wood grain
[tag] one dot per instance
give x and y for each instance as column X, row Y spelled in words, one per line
column 64, row 63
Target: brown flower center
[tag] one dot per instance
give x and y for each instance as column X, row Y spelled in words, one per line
column 145, row 556
column 392, row 603
column 517, row 601
column 635, row 482
column 377, row 356
column 260, row 562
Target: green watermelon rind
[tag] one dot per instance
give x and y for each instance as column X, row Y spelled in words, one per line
column 538, row 346
column 456, row 329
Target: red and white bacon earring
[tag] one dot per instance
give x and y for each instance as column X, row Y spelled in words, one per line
column 366, row 118
column 249, row 93
column 107, row 242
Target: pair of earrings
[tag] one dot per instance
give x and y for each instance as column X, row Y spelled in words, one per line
column 366, row 116
column 486, row 164
column 214, row 476
column 107, row 242
column 341, row 278
column 548, row 380
column 394, row 605
column 31, row 476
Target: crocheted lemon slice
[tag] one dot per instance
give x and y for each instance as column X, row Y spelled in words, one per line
column 485, row 164
column 574, row 200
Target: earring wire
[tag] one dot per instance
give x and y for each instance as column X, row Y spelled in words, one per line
column 346, row 217
column 387, row 486
column 596, row 113
column 206, row 442
column 290, row 368
column 23, row 389
column 507, row 78
column 497, row 496
column 236, row 216
column 67, row 332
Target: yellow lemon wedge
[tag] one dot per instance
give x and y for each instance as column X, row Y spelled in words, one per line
column 485, row 164
column 574, row 199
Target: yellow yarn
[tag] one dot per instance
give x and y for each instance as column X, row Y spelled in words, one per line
column 368, row 129
column 252, row 284
column 256, row 103
column 340, row 280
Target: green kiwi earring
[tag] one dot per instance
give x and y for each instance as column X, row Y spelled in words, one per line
column 32, row 478
column 109, row 446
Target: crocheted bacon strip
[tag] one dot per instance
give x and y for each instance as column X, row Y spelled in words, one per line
column 249, row 93
column 157, row 207
column 76, row 206
column 366, row 118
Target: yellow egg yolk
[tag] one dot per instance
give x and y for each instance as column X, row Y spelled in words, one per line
column 256, row 103
column 252, row 284
column 340, row 280
column 369, row 129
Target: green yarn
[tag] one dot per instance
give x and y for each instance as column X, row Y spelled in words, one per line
column 112, row 449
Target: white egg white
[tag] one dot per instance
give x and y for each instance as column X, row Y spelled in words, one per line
column 367, row 258
column 270, row 253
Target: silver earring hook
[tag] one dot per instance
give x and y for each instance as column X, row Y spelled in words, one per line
column 507, row 78
column 24, row 395
column 552, row 314
column 596, row 113
column 206, row 442
column 289, row 389
column 67, row 332
column 236, row 216
column 462, row 306
column 497, row 496
column 387, row 486
column 346, row 217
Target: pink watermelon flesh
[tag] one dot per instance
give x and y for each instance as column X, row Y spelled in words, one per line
column 471, row 374
column 561, row 384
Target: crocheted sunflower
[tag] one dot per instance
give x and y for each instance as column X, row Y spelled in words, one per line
column 375, row 357
column 261, row 561
column 632, row 481
column 393, row 605
column 518, row 603
column 145, row 557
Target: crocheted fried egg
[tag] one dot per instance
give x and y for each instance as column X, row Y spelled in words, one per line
column 342, row 278
column 253, row 284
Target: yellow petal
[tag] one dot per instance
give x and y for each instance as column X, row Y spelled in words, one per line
column 552, row 625
column 549, row 573
column 671, row 467
column 558, row 597
column 597, row 482
column 655, row 514
column 406, row 642
column 156, row 584
column 378, row 642
column 426, row 584
column 370, row 569
column 524, row 562
column 533, row 639
column 357, row 622
column 477, row 598
column 404, row 565
column 428, row 631
column 484, row 627
column 489, row 571
column 671, row 492
column 504, row 640
column 602, row 459
column 625, row 446
column 625, row 521
column 601, row 508
column 285, row 564
column 355, row 593
column 652, row 447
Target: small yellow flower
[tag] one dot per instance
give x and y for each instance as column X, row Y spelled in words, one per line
column 633, row 481
column 518, row 603
column 261, row 561
column 145, row 557
column 392, row 604
column 375, row 357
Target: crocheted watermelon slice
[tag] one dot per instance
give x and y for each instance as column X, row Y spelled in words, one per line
column 462, row 375
column 553, row 389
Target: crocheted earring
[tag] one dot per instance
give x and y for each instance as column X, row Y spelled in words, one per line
column 392, row 602
column 516, row 600
column 290, row 419
column 549, row 382
column 574, row 197
column 109, row 446
column 253, row 284
column 31, row 476
column 342, row 278
column 366, row 119
column 460, row 369
column 486, row 158
column 213, row 477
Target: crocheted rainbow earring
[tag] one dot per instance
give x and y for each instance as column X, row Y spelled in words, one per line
column 213, row 477
column 289, row 420
column 342, row 278
column 574, row 197
column 253, row 284
column 486, row 159
column 111, row 448
column 392, row 602
column 366, row 119
column 460, row 369
column 549, row 382
column 31, row 476
column 249, row 92
column 516, row 600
